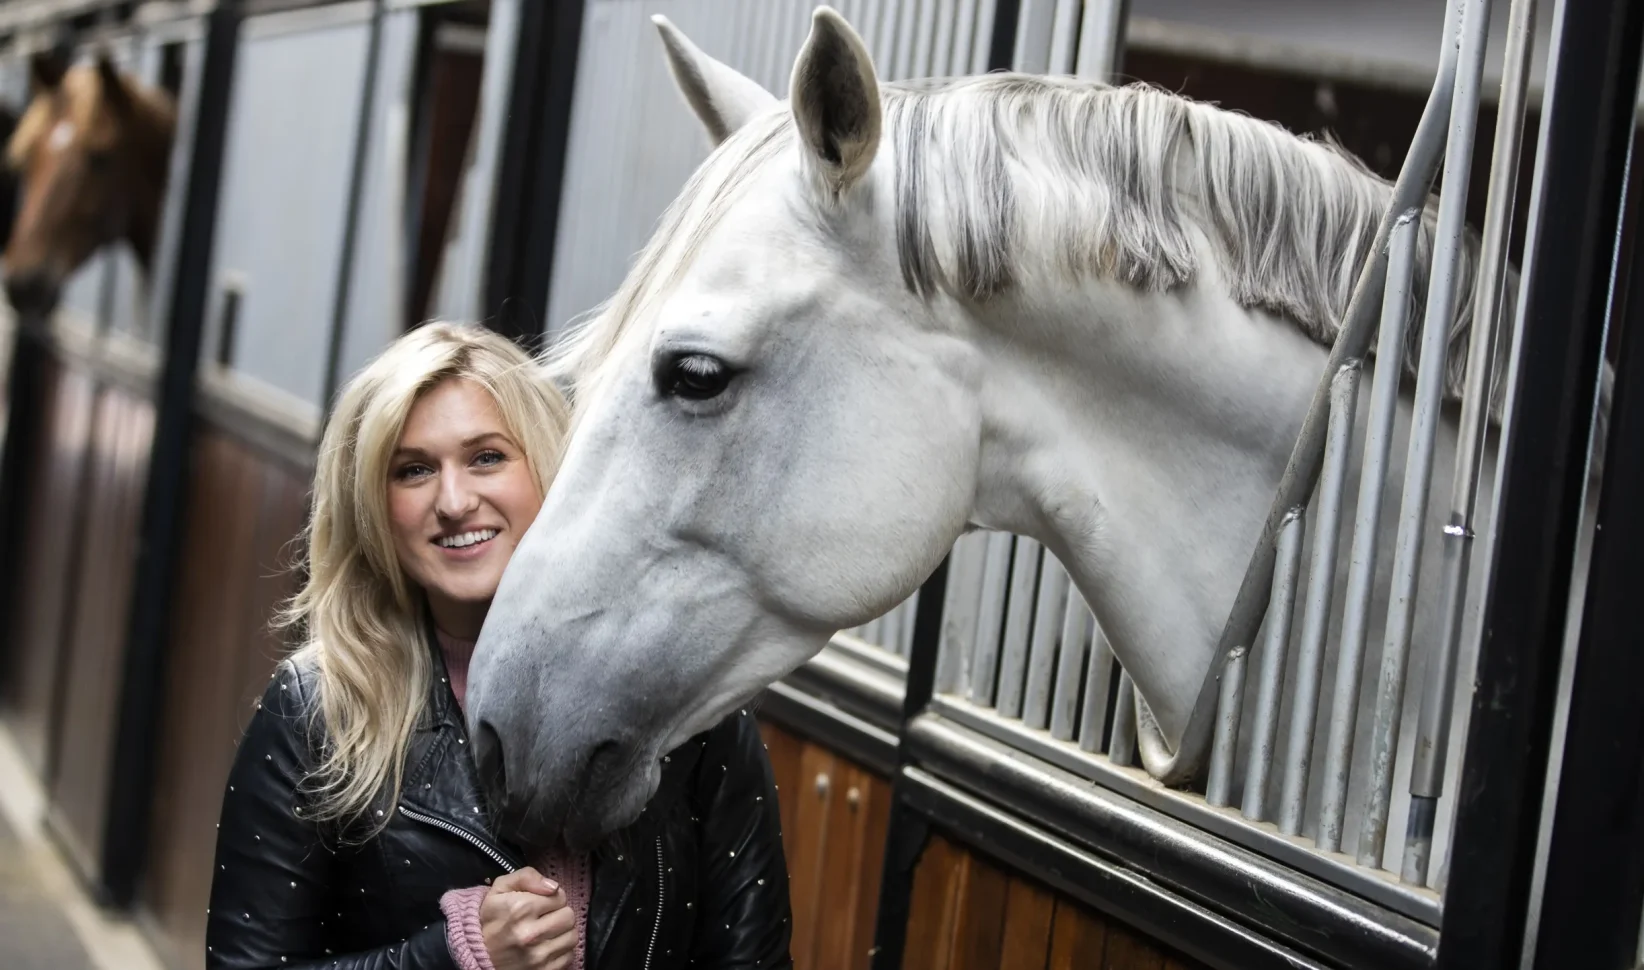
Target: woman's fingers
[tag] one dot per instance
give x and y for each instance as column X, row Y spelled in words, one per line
column 527, row 880
column 554, row 935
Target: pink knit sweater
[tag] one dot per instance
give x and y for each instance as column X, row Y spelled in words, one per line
column 461, row 906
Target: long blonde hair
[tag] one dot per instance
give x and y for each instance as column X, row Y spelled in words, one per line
column 358, row 612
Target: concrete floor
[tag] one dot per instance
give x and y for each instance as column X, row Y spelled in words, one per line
column 47, row 921
column 35, row 934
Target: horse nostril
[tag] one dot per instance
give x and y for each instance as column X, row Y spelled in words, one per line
column 29, row 292
column 604, row 760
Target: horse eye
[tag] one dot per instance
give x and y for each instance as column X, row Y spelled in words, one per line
column 694, row 377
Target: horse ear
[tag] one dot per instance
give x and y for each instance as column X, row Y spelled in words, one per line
column 46, row 70
column 835, row 96
column 114, row 87
column 723, row 99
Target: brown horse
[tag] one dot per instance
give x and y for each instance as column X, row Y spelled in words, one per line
column 93, row 149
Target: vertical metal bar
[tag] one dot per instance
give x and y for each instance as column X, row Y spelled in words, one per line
column 1433, row 733
column 906, row 827
column 141, row 700
column 1219, row 785
column 1321, row 583
column 1070, row 668
column 942, row 45
column 1064, row 38
column 1037, row 20
column 1013, row 653
column 959, row 612
column 1593, row 892
column 984, row 666
column 1098, row 689
column 1271, row 684
column 1121, row 749
column 1430, row 379
column 1361, row 569
column 925, row 40
column 966, row 28
column 1301, row 471
column 1048, row 618
column 996, row 25
column 1102, row 39
column 1558, row 351
column 351, row 209
column 904, row 636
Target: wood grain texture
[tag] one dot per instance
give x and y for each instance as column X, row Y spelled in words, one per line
column 122, row 429
column 52, row 528
column 1030, row 913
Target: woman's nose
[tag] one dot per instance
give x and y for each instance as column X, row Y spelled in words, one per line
column 456, row 498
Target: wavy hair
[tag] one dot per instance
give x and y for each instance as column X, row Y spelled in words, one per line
column 360, row 616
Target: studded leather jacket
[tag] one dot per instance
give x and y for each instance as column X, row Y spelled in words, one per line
column 700, row 881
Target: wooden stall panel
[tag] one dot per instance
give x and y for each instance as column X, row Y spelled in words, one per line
column 968, row 913
column 834, row 818
column 51, row 525
column 243, row 512
column 122, row 429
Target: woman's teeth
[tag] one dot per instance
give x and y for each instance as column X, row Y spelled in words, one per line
column 466, row 539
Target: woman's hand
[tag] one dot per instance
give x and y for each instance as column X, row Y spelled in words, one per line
column 527, row 924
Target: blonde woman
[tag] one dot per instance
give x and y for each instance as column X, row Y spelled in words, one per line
column 353, row 833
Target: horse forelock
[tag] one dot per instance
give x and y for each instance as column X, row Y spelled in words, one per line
column 79, row 101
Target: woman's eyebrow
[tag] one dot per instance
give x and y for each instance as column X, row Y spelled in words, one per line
column 476, row 439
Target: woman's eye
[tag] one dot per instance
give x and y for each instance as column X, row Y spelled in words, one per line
column 486, row 459
column 406, row 473
column 694, row 377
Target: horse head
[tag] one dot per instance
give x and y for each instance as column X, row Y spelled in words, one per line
column 759, row 408
column 93, row 150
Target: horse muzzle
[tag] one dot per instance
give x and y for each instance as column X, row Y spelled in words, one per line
column 33, row 293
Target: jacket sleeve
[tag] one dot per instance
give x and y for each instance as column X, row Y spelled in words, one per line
column 745, row 919
column 272, row 876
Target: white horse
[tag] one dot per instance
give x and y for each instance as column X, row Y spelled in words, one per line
column 878, row 316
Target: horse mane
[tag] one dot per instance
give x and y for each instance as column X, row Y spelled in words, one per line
column 81, row 94
column 1084, row 179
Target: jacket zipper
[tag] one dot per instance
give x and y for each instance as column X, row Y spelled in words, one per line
column 661, row 893
column 469, row 837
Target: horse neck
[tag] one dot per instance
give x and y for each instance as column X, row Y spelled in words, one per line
column 1141, row 438
column 151, row 169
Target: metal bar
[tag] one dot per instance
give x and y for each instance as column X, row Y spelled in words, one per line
column 925, row 47
column 142, row 686
column 1321, row 583
column 1366, row 523
column 905, row 829
column 1013, row 654
column 531, row 171
column 1219, row 785
column 959, row 612
column 1048, row 618
column 1424, row 425
column 1593, row 891
column 1098, row 691
column 1271, row 685
column 1102, row 39
column 1064, row 38
column 904, row 633
column 1361, row 569
column 1301, row 471
column 1304, row 690
column 1038, row 18
column 996, row 34
column 1433, row 733
column 351, row 210
column 1064, row 707
column 1121, row 748
column 1558, row 351
column 990, row 619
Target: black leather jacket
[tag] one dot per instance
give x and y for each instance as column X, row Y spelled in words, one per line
column 699, row 881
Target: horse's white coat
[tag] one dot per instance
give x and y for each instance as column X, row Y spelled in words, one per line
column 691, row 552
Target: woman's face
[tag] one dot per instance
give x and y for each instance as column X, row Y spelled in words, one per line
column 460, row 496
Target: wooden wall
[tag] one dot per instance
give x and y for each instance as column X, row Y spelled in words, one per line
column 968, row 914
column 834, row 817
column 42, row 601
column 245, row 508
